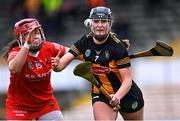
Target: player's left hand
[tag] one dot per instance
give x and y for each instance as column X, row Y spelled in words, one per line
column 55, row 63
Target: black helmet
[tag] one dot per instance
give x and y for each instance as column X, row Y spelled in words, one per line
column 100, row 13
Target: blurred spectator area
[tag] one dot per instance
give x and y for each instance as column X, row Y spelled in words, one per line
column 143, row 21
column 148, row 21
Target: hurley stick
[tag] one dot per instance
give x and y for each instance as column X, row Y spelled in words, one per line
column 160, row 49
column 84, row 70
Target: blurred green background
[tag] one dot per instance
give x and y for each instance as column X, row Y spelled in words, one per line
column 143, row 22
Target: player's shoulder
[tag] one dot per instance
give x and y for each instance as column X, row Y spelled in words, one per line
column 83, row 39
column 15, row 49
column 89, row 34
column 115, row 38
column 47, row 46
column 50, row 44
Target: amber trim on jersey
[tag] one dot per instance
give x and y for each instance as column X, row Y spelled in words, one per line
column 89, row 34
column 114, row 37
column 107, row 80
column 75, row 51
column 123, row 61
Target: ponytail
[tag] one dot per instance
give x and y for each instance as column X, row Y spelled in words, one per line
column 9, row 46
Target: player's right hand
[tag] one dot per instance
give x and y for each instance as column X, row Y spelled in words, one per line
column 115, row 100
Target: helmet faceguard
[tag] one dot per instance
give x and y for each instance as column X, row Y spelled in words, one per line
column 23, row 27
column 99, row 13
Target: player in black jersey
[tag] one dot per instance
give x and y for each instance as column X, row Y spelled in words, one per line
column 112, row 68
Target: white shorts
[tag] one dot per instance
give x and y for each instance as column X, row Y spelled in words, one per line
column 53, row 115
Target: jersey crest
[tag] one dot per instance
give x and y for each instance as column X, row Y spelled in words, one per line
column 87, row 53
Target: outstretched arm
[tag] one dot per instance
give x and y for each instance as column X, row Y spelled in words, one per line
column 59, row 64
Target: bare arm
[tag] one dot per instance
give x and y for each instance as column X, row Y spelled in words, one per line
column 126, row 82
column 124, row 88
column 67, row 49
column 60, row 64
column 18, row 62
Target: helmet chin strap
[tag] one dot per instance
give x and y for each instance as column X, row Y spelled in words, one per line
column 35, row 49
column 100, row 38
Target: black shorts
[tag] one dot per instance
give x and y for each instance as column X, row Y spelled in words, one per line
column 132, row 102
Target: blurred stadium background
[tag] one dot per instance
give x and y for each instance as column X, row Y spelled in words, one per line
column 142, row 21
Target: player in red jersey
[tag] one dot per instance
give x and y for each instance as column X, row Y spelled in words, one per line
column 30, row 94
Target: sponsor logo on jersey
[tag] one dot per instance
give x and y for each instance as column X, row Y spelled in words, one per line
column 20, row 113
column 37, row 77
column 100, row 70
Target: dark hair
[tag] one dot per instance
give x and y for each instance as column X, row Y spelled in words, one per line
column 9, row 46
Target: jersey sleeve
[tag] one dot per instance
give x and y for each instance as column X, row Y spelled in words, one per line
column 77, row 48
column 12, row 54
column 60, row 50
column 121, row 57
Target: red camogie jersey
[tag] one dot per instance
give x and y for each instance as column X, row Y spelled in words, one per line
column 31, row 90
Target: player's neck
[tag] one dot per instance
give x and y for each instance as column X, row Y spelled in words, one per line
column 99, row 42
column 34, row 54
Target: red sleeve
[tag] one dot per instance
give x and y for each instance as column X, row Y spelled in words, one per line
column 12, row 54
column 59, row 49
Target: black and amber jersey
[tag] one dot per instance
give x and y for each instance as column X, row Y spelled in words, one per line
column 107, row 58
